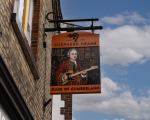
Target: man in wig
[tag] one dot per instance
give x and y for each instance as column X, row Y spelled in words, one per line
column 71, row 67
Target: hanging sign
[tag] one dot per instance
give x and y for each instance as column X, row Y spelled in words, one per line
column 75, row 64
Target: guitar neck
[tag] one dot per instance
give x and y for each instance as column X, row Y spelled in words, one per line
column 81, row 72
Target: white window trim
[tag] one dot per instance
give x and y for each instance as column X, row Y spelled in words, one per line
column 30, row 18
column 19, row 9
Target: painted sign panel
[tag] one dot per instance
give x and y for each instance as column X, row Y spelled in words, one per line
column 75, row 64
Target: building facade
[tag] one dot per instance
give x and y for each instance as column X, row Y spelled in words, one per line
column 25, row 64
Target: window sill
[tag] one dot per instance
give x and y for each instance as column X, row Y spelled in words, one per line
column 24, row 45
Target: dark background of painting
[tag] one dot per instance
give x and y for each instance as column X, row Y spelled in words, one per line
column 87, row 57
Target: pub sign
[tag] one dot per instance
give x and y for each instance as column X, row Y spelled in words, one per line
column 75, row 64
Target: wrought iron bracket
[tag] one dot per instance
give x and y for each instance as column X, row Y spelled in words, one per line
column 46, row 103
column 44, row 25
column 73, row 28
column 44, row 44
column 69, row 29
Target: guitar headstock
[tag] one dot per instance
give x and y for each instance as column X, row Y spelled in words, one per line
column 94, row 67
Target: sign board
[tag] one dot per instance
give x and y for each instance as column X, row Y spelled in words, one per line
column 75, row 66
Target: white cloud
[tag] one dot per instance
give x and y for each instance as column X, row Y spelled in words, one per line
column 117, row 20
column 73, row 118
column 148, row 91
column 110, row 85
column 125, row 87
column 120, row 71
column 109, row 102
column 124, row 56
column 143, row 60
column 125, row 18
column 140, row 90
column 125, row 45
column 134, row 17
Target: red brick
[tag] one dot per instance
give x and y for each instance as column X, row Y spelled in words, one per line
column 68, row 106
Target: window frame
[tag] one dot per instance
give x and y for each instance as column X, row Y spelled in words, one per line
column 24, row 11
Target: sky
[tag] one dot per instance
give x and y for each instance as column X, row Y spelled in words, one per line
column 124, row 59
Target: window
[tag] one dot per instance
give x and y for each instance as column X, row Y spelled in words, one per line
column 18, row 9
column 29, row 26
column 24, row 11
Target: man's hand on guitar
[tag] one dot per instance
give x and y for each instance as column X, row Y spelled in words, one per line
column 84, row 72
column 65, row 77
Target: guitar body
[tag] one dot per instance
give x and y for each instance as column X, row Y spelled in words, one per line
column 70, row 79
column 71, row 75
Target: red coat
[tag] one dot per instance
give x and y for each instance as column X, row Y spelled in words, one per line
column 64, row 68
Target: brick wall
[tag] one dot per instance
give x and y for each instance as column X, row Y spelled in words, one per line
column 67, row 110
column 33, row 91
column 44, row 54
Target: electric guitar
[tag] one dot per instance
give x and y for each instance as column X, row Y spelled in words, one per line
column 71, row 75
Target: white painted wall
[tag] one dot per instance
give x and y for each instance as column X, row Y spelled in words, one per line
column 57, row 103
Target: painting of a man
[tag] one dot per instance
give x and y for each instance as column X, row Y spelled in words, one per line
column 71, row 67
